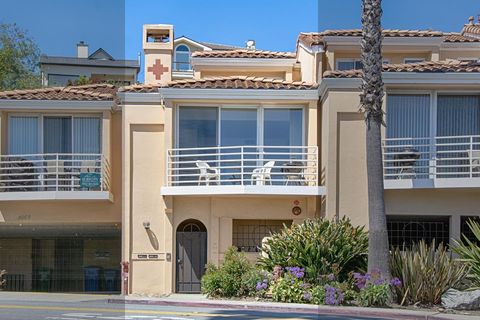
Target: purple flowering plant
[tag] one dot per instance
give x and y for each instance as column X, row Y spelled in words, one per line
column 333, row 296
column 374, row 290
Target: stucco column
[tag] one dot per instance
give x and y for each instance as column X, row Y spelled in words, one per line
column 454, row 228
column 106, row 134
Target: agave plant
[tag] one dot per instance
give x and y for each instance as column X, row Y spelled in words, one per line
column 426, row 272
column 320, row 246
column 469, row 252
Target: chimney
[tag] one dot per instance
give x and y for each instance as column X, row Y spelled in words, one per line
column 82, row 50
column 471, row 20
column 158, row 51
column 250, row 44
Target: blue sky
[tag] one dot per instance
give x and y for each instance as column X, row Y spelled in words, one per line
column 115, row 25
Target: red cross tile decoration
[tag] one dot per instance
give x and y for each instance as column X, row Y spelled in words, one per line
column 157, row 69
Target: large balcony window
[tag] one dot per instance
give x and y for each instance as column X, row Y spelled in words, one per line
column 432, row 136
column 54, row 153
column 241, row 146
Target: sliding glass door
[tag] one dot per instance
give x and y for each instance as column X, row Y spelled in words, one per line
column 444, row 135
column 57, row 134
column 238, row 131
column 54, row 134
column 408, row 148
column 230, row 130
column 458, row 131
column 23, row 135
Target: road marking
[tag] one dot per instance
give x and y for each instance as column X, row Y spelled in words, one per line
column 153, row 312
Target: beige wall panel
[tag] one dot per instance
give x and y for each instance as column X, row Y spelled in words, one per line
column 352, row 172
column 242, row 72
column 147, row 205
column 150, row 277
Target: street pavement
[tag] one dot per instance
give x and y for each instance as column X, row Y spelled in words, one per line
column 42, row 306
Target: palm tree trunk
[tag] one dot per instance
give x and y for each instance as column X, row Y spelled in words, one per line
column 371, row 101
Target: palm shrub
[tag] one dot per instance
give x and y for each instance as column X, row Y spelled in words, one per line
column 320, row 246
column 469, row 252
column 426, row 272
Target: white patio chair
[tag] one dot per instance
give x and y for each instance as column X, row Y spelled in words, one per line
column 261, row 175
column 474, row 158
column 207, row 173
column 55, row 169
column 88, row 166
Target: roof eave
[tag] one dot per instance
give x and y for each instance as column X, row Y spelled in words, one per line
column 409, row 78
column 243, row 62
column 77, row 105
column 220, row 94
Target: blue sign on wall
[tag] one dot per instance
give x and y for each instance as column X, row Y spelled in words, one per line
column 89, row 180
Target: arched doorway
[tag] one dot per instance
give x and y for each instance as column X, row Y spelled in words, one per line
column 191, row 256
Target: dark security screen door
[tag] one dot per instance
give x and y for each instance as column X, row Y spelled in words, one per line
column 191, row 260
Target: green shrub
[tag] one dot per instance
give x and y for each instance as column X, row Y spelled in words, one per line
column 289, row 289
column 317, row 293
column 254, row 283
column 469, row 252
column 374, row 295
column 320, row 246
column 426, row 272
column 226, row 280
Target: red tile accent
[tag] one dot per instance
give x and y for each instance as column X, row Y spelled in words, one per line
column 158, row 69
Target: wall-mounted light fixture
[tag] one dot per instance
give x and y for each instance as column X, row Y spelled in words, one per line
column 146, row 224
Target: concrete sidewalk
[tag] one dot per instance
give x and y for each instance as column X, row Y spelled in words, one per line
column 200, row 301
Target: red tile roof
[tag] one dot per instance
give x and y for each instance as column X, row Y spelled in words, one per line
column 454, row 37
column 472, row 29
column 422, row 67
column 317, row 38
column 234, row 82
column 91, row 92
column 244, row 53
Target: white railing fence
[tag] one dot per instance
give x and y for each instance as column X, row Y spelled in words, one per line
column 431, row 158
column 54, row 172
column 243, row 165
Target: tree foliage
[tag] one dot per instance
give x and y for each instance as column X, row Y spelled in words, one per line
column 19, row 57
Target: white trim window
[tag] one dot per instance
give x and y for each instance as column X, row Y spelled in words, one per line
column 182, row 58
column 349, row 64
column 413, row 60
column 210, row 126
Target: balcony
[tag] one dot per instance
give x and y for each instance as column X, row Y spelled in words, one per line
column 439, row 162
column 243, row 170
column 56, row 176
column 182, row 70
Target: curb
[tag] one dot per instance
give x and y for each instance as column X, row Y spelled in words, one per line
column 319, row 310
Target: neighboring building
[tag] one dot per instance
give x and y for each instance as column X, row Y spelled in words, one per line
column 60, row 190
column 99, row 66
column 250, row 141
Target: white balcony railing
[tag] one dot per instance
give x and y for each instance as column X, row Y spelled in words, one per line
column 243, row 165
column 431, row 158
column 54, row 172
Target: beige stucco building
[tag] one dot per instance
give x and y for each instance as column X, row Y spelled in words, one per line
column 164, row 176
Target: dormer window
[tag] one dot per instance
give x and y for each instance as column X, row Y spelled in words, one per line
column 182, row 58
column 413, row 60
column 349, row 64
